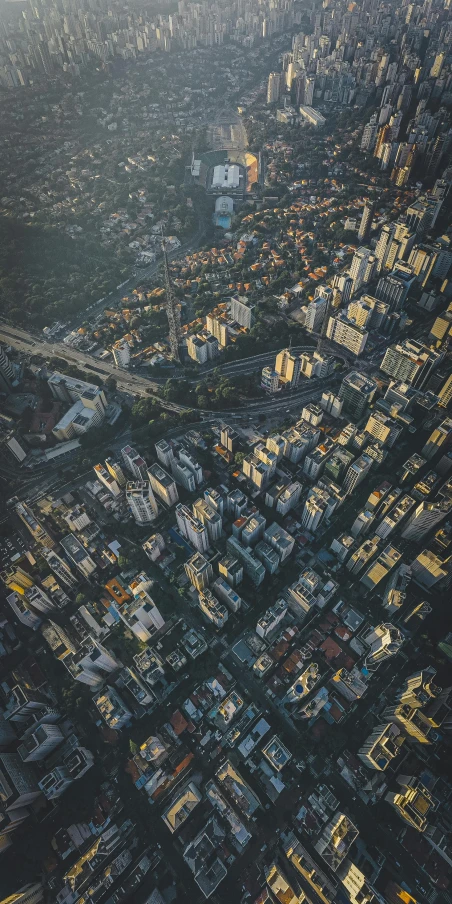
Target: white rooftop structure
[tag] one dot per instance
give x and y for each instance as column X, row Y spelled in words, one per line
column 227, row 176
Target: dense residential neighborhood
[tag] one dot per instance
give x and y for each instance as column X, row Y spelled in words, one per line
column 226, row 436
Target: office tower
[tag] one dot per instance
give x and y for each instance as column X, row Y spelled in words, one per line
column 342, row 331
column 395, row 516
column 445, row 393
column 313, row 513
column 241, row 310
column 141, row 501
column 165, row 453
column 39, row 600
column 199, row 571
column 112, row 708
column 184, row 475
column 104, row 477
column 274, row 87
column 425, row 517
column 74, row 763
column 23, row 612
column 410, row 361
column 356, row 393
column 78, row 555
column 413, row 802
column 393, row 288
column 383, row 428
column 379, row 569
column 395, row 590
column 366, row 222
column 383, row 641
column 60, row 568
column 421, row 707
column 441, row 436
column 33, row 893
column 356, row 473
column 268, row 556
column 40, row 743
column 116, row 472
column 191, row 528
column 163, row 485
column 209, row 517
column 32, row 524
column 382, row 746
column 287, row 366
column 336, row 840
column 134, row 463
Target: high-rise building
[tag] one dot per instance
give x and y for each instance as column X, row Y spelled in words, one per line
column 191, row 528
column 356, row 473
column 78, row 555
column 382, row 746
column 445, row 393
column 209, row 517
column 425, row 517
column 287, row 366
column 60, row 568
column 346, row 333
column 413, row 802
column 39, row 534
column 134, row 463
column 251, row 565
column 383, row 641
column 410, row 361
column 199, row 571
column 366, row 222
column 33, row 893
column 379, row 569
column 274, row 87
column 440, row 438
column 362, row 267
column 163, row 485
column 116, row 472
column 105, row 478
column 165, row 453
column 241, row 310
column 141, row 501
column 316, row 313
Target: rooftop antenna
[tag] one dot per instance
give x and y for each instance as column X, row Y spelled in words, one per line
column 172, row 307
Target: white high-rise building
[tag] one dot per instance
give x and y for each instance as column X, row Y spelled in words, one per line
column 134, row 463
column 352, row 336
column 192, row 529
column 141, row 501
column 362, row 267
column 383, row 641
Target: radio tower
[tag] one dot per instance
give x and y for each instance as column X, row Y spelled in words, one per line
column 172, row 308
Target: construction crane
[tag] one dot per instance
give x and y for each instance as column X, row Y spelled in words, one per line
column 172, row 308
